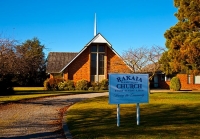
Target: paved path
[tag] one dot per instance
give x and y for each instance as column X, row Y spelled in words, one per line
column 40, row 118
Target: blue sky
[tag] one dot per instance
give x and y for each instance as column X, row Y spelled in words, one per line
column 68, row 25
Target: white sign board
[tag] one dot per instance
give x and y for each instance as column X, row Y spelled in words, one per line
column 128, row 88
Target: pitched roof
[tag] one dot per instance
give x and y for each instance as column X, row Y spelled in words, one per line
column 57, row 60
column 97, row 39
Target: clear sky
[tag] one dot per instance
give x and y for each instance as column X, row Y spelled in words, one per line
column 68, row 25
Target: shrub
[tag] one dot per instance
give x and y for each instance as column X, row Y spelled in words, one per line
column 96, row 88
column 66, row 85
column 91, row 89
column 82, row 85
column 61, row 86
column 69, row 85
column 104, row 84
column 46, row 84
column 95, row 85
column 175, row 84
column 52, row 83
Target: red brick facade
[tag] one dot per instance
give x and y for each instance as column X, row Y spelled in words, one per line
column 187, row 83
column 115, row 63
column 80, row 68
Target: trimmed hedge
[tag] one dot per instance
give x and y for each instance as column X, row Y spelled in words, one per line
column 175, row 84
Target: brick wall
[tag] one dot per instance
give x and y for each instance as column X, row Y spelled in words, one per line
column 184, row 82
column 80, row 67
column 115, row 64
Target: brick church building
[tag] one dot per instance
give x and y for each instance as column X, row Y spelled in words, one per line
column 93, row 63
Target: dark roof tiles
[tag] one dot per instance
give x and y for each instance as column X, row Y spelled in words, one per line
column 57, row 60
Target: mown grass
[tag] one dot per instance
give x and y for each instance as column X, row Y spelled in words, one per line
column 168, row 115
column 23, row 93
column 28, row 88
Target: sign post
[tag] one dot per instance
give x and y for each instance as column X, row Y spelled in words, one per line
column 118, row 115
column 127, row 89
column 138, row 114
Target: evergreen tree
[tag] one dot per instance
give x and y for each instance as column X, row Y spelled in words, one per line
column 32, row 61
column 183, row 39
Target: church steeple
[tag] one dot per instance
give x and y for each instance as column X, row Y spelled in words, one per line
column 95, row 25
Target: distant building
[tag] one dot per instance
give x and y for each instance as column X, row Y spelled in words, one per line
column 188, row 81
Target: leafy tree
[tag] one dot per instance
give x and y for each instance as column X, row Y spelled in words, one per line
column 183, row 39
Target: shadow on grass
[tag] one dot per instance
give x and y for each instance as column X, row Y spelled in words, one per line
column 23, row 96
column 44, row 135
column 32, row 92
column 156, row 121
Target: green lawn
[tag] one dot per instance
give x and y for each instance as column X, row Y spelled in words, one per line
column 168, row 115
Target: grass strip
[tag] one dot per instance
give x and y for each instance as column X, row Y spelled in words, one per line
column 168, row 116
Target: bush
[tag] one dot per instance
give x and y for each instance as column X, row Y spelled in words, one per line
column 69, row 85
column 104, row 84
column 61, row 86
column 66, row 85
column 46, row 84
column 82, row 85
column 175, row 84
column 91, row 89
column 52, row 83
column 95, row 85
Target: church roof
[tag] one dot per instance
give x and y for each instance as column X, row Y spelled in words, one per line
column 98, row 39
column 57, row 60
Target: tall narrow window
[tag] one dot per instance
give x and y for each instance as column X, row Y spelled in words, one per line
column 93, row 63
column 101, row 64
column 188, row 79
column 97, row 59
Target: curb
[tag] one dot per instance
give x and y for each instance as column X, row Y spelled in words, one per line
column 65, row 127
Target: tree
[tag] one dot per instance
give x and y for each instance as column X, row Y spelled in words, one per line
column 183, row 39
column 32, row 61
column 143, row 60
column 21, row 64
column 7, row 64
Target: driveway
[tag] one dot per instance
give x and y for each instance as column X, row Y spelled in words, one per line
column 39, row 118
